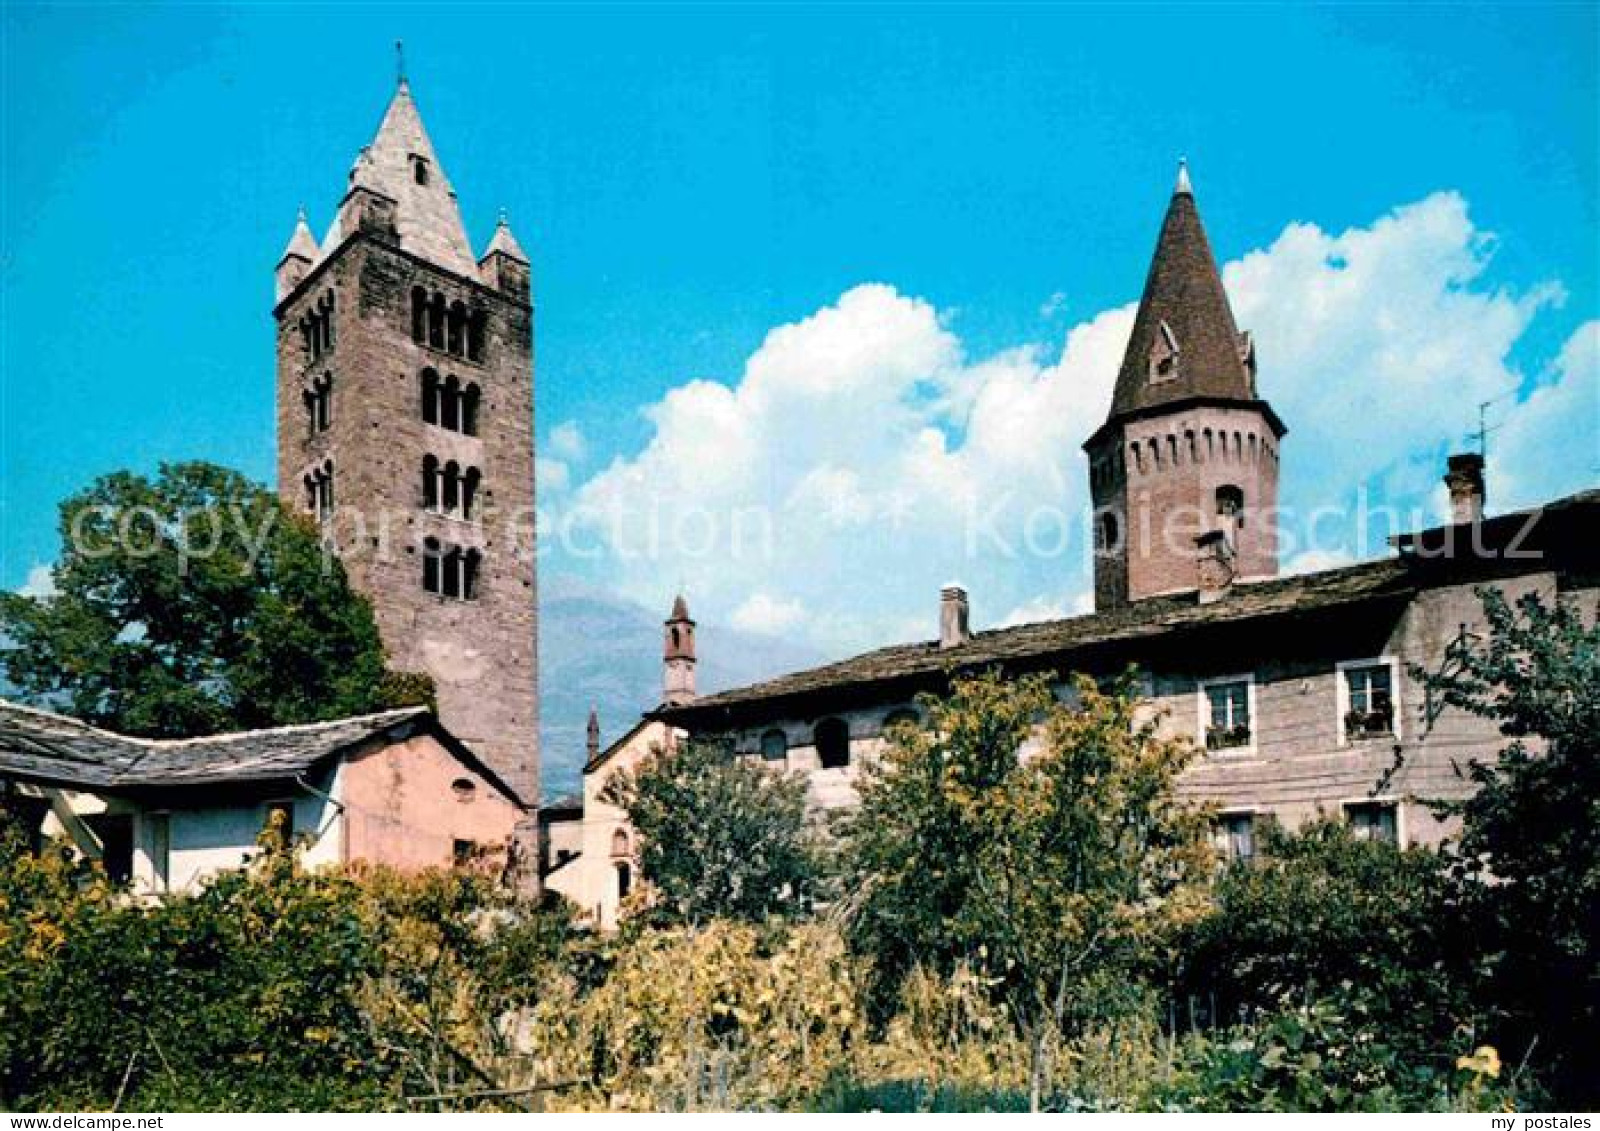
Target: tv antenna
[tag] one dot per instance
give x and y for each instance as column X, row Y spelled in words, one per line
column 1484, row 429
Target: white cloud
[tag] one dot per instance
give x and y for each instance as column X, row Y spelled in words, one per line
column 1549, row 441
column 567, row 442
column 766, row 614
column 863, row 456
column 552, row 475
column 1046, row 608
column 1311, row 561
column 41, row 582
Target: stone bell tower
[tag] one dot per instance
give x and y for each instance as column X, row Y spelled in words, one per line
column 1184, row 472
column 405, row 427
column 678, row 656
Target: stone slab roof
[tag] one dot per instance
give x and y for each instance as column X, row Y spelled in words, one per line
column 57, row 750
column 1560, row 530
column 1142, row 620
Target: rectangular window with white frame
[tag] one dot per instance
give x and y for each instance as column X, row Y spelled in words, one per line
column 1374, row 820
column 1234, row 836
column 1369, row 699
column 1227, row 713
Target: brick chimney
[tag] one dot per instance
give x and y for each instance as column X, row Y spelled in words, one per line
column 953, row 628
column 1214, row 565
column 1465, row 480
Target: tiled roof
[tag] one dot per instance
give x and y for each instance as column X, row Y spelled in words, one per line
column 42, row 746
column 1184, row 293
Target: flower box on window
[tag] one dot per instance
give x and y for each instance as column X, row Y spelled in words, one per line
column 1221, row 738
column 1369, row 724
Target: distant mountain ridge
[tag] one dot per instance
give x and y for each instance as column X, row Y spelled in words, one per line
column 600, row 650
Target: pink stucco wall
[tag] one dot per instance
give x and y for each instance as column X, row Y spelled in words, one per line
column 406, row 806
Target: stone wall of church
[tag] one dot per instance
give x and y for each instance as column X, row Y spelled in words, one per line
column 481, row 653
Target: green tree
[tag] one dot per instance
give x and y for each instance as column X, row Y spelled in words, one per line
column 1040, row 841
column 721, row 836
column 1530, row 831
column 193, row 603
column 1321, row 914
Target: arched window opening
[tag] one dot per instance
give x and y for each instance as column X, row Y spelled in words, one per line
column 430, row 397
column 475, row 333
column 457, row 341
column 832, row 738
column 624, row 879
column 432, row 566
column 319, row 491
column 1107, row 534
column 1230, row 503
column 419, row 169
column 436, row 322
column 774, row 746
column 471, row 563
column 452, row 572
column 452, row 487
column 469, row 409
column 321, row 403
column 419, row 315
column 450, row 409
column 430, row 483
column 469, row 491
column 619, row 843
column 310, row 400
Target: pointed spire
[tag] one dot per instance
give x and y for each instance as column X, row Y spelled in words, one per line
column 594, row 734
column 1184, row 343
column 302, row 243
column 679, row 656
column 504, row 242
column 401, row 164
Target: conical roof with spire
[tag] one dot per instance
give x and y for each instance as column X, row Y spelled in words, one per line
column 426, row 214
column 504, row 242
column 301, row 243
column 1185, row 344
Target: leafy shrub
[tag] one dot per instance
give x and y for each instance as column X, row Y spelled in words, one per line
column 1319, row 912
column 1326, row 1055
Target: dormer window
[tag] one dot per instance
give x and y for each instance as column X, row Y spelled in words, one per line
column 1163, row 355
column 419, row 169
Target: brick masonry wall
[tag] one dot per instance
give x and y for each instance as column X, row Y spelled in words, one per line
column 1164, row 466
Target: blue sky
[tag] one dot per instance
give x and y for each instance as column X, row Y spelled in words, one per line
column 1405, row 195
